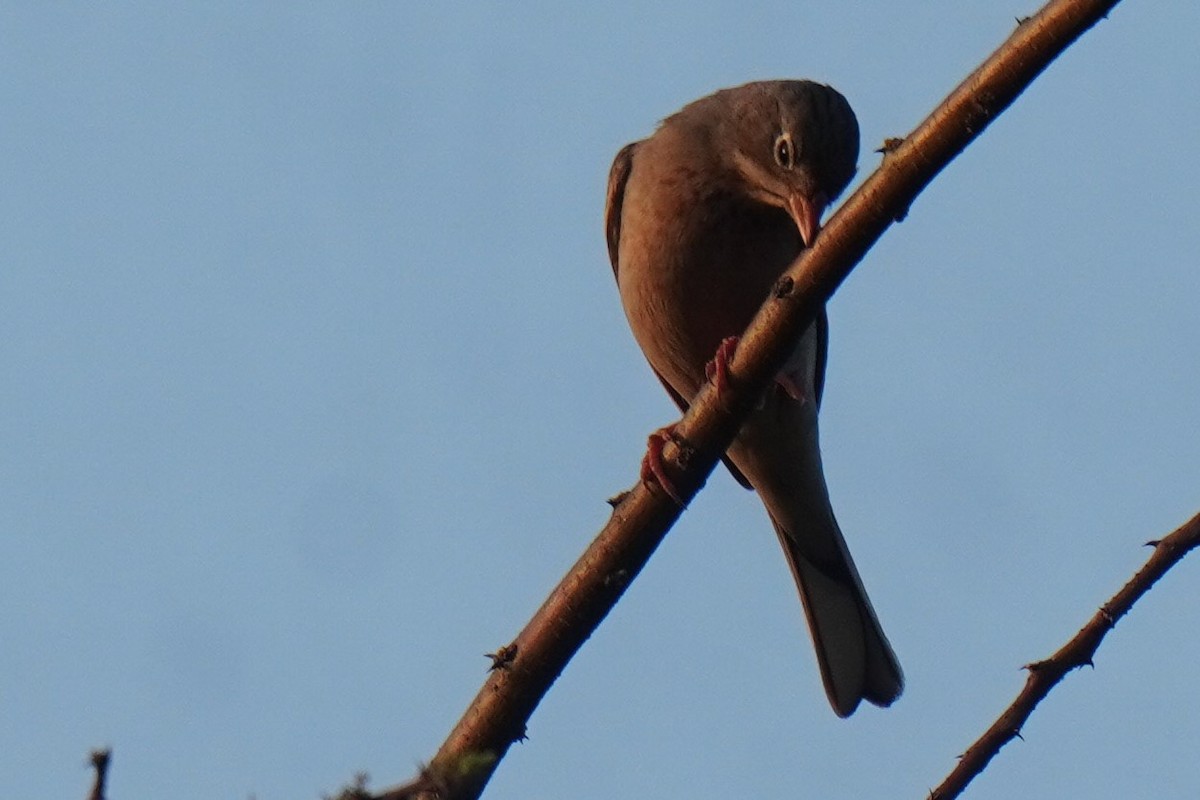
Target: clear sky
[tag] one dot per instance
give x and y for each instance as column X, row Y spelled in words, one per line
column 315, row 379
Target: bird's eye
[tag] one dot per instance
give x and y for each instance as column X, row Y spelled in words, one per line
column 785, row 151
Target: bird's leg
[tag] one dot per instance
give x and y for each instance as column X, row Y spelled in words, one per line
column 653, row 469
column 717, row 370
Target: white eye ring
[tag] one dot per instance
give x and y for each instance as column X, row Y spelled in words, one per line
column 785, row 151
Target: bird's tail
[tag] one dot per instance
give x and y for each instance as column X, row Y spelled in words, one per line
column 857, row 662
column 779, row 452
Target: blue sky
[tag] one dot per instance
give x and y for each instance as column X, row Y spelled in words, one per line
column 316, row 379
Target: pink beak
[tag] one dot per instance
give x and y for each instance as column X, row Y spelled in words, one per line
column 806, row 213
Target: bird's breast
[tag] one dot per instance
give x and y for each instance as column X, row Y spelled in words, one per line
column 694, row 269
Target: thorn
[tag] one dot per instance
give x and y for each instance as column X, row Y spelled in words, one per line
column 618, row 498
column 1017, row 735
column 355, row 790
column 890, row 144
column 502, row 658
column 1022, row 20
column 1153, row 543
column 99, row 758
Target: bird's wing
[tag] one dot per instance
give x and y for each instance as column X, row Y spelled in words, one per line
column 822, row 323
column 618, row 177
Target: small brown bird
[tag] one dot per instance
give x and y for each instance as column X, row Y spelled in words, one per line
column 702, row 218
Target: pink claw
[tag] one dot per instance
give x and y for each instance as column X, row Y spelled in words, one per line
column 653, row 469
column 717, row 370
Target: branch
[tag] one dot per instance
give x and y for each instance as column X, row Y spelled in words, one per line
column 524, row 670
column 1045, row 675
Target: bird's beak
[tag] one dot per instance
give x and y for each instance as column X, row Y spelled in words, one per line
column 806, row 213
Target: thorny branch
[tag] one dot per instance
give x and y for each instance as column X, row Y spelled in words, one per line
column 497, row 716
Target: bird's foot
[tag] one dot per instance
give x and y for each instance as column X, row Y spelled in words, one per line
column 717, row 370
column 653, row 468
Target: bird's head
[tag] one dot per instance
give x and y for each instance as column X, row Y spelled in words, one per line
column 793, row 145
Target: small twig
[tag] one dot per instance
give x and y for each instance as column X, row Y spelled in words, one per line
column 100, row 759
column 1079, row 652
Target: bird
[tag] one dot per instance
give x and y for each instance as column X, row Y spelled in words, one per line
column 701, row 219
